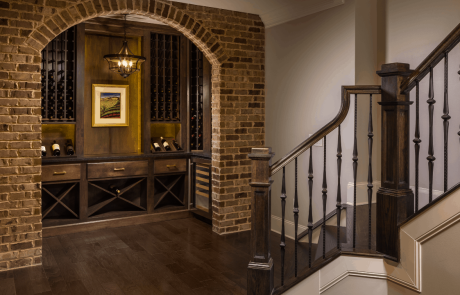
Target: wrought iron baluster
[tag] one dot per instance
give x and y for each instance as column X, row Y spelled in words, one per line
column 355, row 169
column 431, row 157
column 339, row 193
column 283, row 235
column 324, row 191
column 370, row 139
column 417, row 142
column 446, row 118
column 296, row 220
column 310, row 209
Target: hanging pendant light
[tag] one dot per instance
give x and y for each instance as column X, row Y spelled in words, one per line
column 124, row 62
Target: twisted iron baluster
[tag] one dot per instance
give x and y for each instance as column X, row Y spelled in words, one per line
column 339, row 193
column 431, row 157
column 446, row 118
column 324, row 200
column 296, row 220
column 355, row 169
column 283, row 237
column 417, row 142
column 370, row 139
column 310, row 210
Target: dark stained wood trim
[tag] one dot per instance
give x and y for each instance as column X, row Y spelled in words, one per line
column 207, row 68
column 111, row 223
column 146, row 90
column 183, row 99
column 320, row 222
column 79, row 143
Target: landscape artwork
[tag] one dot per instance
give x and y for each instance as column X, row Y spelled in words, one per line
column 110, row 105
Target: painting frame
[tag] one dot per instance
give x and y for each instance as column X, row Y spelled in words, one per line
column 111, row 95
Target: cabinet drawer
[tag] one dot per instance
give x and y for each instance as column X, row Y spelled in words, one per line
column 170, row 166
column 117, row 169
column 61, row 172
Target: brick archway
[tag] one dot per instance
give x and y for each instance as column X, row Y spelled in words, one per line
column 232, row 41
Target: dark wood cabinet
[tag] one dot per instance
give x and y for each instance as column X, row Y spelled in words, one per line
column 114, row 172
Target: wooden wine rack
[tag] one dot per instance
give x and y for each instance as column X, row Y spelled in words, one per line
column 58, row 79
column 165, row 77
column 196, row 98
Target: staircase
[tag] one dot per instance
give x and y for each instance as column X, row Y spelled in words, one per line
column 388, row 233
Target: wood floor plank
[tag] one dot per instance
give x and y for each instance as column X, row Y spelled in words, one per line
column 7, row 286
column 20, row 277
column 38, row 279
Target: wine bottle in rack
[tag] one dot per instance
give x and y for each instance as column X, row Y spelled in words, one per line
column 155, row 147
column 176, row 145
column 114, row 189
column 69, row 147
column 51, row 86
column 55, row 149
column 43, row 149
column 165, row 144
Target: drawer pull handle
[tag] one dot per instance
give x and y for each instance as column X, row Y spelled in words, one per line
column 171, row 166
column 59, row 173
column 118, row 169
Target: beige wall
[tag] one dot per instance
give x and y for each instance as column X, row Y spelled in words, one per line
column 307, row 61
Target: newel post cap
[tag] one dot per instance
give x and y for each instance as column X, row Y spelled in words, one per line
column 395, row 69
column 261, row 153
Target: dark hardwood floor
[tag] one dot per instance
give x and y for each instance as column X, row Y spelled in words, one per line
column 173, row 257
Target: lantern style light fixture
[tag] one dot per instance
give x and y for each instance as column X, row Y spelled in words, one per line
column 124, row 62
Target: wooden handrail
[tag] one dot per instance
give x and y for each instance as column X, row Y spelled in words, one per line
column 432, row 60
column 305, row 145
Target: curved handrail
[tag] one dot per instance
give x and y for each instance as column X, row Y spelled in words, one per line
column 328, row 128
column 431, row 60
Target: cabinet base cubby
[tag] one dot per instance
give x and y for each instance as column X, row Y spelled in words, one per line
column 169, row 192
column 116, row 195
column 61, row 201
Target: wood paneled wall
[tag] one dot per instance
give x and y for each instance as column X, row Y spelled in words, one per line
column 111, row 140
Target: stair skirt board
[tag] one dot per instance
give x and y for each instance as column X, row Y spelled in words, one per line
column 290, row 229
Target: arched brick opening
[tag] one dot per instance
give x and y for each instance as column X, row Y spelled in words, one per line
column 232, row 41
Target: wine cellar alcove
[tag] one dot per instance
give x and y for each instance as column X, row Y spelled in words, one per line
column 142, row 170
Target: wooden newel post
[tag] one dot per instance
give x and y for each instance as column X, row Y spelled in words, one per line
column 395, row 200
column 260, row 268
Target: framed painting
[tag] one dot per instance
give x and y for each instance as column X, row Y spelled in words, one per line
column 110, row 105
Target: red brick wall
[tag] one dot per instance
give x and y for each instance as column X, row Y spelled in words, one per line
column 232, row 41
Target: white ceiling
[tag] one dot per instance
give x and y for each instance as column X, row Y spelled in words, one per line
column 272, row 12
